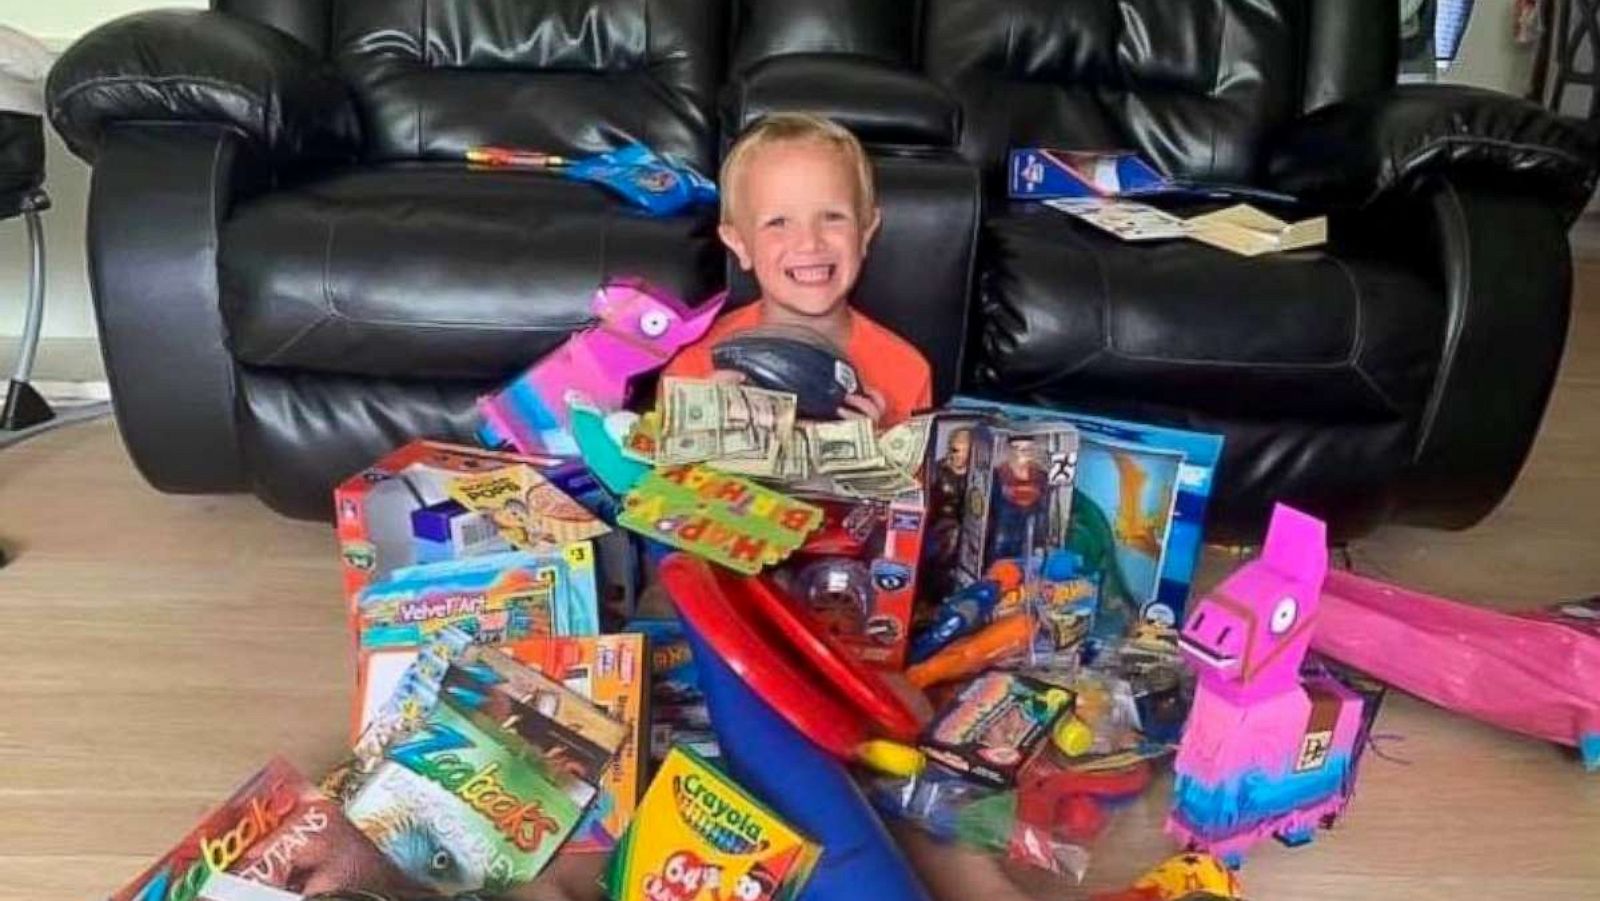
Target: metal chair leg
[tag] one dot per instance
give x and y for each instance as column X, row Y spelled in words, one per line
column 24, row 406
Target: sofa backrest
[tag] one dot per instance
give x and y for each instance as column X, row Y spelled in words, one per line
column 434, row 77
column 885, row 30
column 1194, row 85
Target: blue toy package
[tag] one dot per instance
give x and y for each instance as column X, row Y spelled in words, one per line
column 1138, row 510
column 658, row 185
column 1038, row 173
column 678, row 712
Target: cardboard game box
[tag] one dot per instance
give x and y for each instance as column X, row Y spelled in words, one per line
column 1019, row 496
column 613, row 671
column 858, row 572
column 994, row 726
column 400, row 511
column 678, row 714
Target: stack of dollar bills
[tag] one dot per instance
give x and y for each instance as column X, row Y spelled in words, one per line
column 754, row 432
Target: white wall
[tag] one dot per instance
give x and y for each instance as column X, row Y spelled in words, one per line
column 68, row 313
column 1488, row 57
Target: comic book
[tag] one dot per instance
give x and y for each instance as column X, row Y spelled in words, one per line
column 613, row 672
column 459, row 810
column 276, row 830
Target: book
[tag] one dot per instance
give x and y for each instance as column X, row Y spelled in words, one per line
column 460, row 808
column 699, row 836
column 276, row 830
column 613, row 671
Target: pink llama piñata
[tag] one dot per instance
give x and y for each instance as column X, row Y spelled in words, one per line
column 637, row 329
column 1265, row 751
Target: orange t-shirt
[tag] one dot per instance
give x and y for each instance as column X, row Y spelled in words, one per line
column 884, row 360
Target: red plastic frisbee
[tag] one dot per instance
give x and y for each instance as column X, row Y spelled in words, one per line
column 730, row 612
column 788, row 622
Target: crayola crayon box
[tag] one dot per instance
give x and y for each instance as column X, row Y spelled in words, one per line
column 698, row 836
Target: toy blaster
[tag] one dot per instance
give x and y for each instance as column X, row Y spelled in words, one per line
column 960, row 614
column 635, row 173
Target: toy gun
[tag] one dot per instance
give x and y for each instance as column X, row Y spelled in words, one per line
column 635, row 173
column 998, row 641
column 958, row 615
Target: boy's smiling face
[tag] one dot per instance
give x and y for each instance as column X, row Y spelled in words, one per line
column 798, row 223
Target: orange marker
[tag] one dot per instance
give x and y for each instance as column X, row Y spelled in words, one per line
column 997, row 641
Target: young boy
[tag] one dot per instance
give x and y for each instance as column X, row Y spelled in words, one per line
column 799, row 208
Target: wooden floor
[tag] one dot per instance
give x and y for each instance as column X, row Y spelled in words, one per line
column 159, row 649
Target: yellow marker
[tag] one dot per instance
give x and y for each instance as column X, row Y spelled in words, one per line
column 1072, row 736
column 891, row 757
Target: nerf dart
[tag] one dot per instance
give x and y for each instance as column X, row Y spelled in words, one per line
column 958, row 615
column 1008, row 637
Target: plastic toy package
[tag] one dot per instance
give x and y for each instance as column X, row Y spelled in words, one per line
column 952, row 809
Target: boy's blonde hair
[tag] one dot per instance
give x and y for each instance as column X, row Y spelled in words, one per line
column 786, row 127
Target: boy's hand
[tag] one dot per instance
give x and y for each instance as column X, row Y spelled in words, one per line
column 727, row 377
column 870, row 403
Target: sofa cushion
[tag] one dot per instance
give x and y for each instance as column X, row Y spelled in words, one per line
column 1193, row 87
column 432, row 271
column 1072, row 315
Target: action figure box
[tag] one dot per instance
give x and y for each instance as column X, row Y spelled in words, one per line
column 1138, row 510
column 400, row 511
column 858, row 572
column 1018, row 499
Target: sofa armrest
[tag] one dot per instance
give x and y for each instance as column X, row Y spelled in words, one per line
column 199, row 66
column 881, row 103
column 1503, row 263
column 1350, row 154
column 159, row 196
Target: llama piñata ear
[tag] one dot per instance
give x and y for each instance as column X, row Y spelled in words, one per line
column 1297, row 544
column 697, row 322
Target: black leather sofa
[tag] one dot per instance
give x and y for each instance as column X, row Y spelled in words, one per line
column 293, row 271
